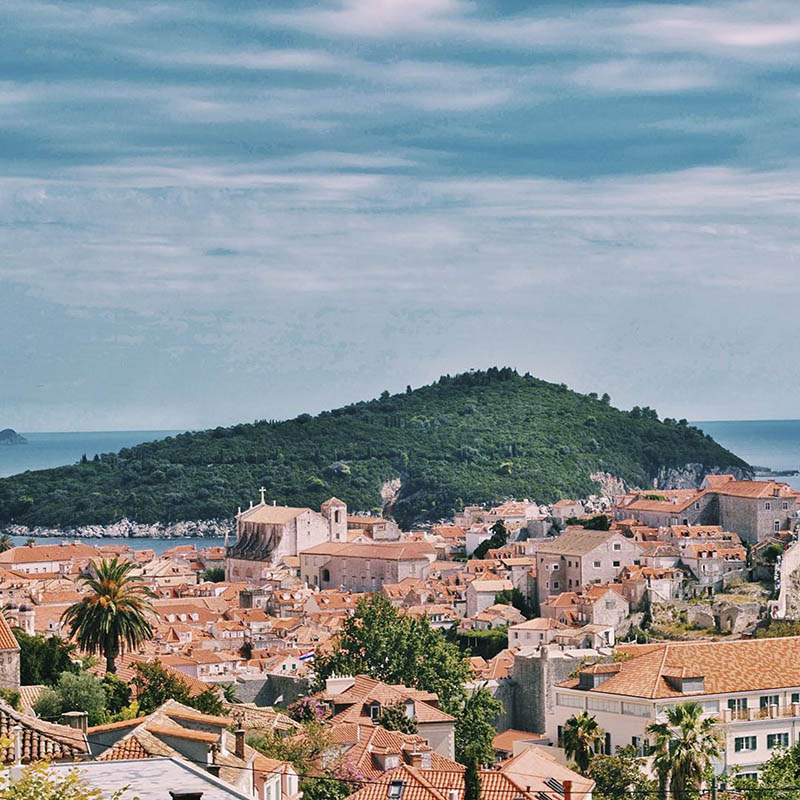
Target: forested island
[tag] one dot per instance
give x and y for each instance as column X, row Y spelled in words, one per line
column 421, row 454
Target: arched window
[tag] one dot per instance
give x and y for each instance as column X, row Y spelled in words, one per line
column 337, row 516
column 326, row 575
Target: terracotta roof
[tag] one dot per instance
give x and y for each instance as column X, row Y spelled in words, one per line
column 271, row 515
column 48, row 552
column 729, row 666
column 756, row 489
column 7, row 639
column 505, row 740
column 391, row 551
column 129, row 747
column 183, row 733
column 40, row 740
column 576, row 542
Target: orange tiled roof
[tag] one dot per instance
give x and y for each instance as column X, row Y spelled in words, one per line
column 729, row 666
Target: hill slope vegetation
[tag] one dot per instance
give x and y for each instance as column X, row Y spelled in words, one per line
column 476, row 437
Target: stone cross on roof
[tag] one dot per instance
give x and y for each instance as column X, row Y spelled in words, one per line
column 262, row 490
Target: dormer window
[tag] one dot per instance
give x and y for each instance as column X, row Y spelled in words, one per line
column 374, row 710
column 395, row 790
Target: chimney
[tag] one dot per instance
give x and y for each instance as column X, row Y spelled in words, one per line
column 76, row 719
column 415, row 759
column 567, row 790
column 239, row 746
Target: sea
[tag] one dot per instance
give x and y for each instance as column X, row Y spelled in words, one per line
column 764, row 443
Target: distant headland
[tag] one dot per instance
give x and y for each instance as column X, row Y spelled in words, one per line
column 9, row 436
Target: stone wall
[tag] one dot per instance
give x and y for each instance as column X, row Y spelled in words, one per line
column 536, row 671
column 266, row 690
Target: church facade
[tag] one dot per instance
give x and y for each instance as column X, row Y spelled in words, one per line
column 265, row 534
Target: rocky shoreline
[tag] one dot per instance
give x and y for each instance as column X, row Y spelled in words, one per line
column 127, row 529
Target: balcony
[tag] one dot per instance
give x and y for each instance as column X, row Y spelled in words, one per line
column 755, row 714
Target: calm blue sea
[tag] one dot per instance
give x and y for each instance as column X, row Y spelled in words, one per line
column 56, row 449
column 773, row 443
column 143, row 543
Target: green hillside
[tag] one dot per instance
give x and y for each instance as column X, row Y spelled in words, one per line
column 472, row 438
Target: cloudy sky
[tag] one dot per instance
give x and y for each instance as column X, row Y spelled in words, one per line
column 211, row 214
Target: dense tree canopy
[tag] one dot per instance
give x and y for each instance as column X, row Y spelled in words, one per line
column 476, row 437
column 380, row 642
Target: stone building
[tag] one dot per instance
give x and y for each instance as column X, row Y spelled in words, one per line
column 580, row 557
column 265, row 534
column 753, row 509
column 9, row 657
column 364, row 567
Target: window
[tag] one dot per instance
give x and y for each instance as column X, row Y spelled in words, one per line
column 686, row 520
column 776, row 526
column 767, row 506
column 374, row 711
column 601, row 704
column 608, row 744
column 697, row 506
column 635, row 710
column 785, row 505
column 767, row 700
column 596, row 565
column 555, row 584
column 555, row 567
column 615, row 563
column 617, row 546
column 795, row 697
column 743, row 744
column 570, row 701
column 639, row 743
column 777, row 740
column 560, row 735
column 395, row 791
column 749, row 776
column 326, row 575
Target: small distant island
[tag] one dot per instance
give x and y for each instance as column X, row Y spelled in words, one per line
column 766, row 472
column 9, row 436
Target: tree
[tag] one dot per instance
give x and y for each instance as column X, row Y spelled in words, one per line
column 229, row 693
column 394, row 718
column 472, row 777
column 514, row 597
column 620, row 775
column 12, row 697
column 781, row 771
column 497, row 540
column 380, row 642
column 48, row 704
column 683, row 747
column 118, row 693
column 155, row 685
column 30, row 541
column 582, row 735
column 82, row 692
column 40, row 782
column 475, row 731
column 115, row 612
column 214, row 574
column 5, row 543
column 42, row 660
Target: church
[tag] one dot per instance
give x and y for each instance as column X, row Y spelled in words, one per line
column 265, row 534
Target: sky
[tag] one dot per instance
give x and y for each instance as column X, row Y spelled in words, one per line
column 213, row 212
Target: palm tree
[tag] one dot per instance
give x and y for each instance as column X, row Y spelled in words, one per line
column 5, row 543
column 684, row 747
column 115, row 612
column 229, row 693
column 581, row 735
